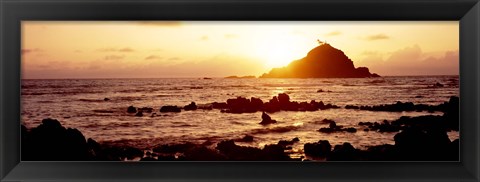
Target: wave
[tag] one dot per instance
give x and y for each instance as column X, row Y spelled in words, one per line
column 278, row 129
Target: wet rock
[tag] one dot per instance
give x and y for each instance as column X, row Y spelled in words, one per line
column 285, row 143
column 283, row 98
column 131, row 109
column 351, row 130
column 320, row 149
column 351, row 107
column 266, row 119
column 173, row 148
column 130, row 153
column 190, row 107
column 148, row 159
column 146, row 109
column 203, row 154
column 170, row 109
column 415, row 144
column 241, row 153
column 437, row 85
column 296, row 139
column 345, row 152
column 50, row 141
column 139, row 114
column 247, row 138
column 256, row 104
column 219, row 105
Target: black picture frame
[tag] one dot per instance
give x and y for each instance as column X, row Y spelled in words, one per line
column 12, row 12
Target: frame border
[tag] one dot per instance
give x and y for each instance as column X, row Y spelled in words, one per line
column 12, row 12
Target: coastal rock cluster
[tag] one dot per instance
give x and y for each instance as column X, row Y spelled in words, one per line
column 408, row 106
column 238, row 105
column 421, row 138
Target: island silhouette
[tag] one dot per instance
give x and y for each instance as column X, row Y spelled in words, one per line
column 323, row 61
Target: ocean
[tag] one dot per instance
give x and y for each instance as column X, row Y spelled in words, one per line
column 79, row 103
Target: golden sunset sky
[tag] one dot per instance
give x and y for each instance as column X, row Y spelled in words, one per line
column 134, row 49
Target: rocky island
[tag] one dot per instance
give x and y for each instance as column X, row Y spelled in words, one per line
column 323, row 61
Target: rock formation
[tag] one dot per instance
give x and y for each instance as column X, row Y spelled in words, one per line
column 323, row 61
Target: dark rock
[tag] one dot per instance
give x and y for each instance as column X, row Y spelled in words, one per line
column 148, row 159
column 170, row 109
column 203, row 154
column 320, row 149
column 241, row 153
column 146, row 109
column 323, row 61
column 131, row 109
column 438, row 85
column 247, row 138
column 296, row 139
column 219, row 105
column 173, row 148
column 50, row 141
column 283, row 98
column 266, row 119
column 139, row 114
column 190, row 107
column 285, row 143
column 326, row 130
column 345, row 152
column 106, row 99
column 351, row 130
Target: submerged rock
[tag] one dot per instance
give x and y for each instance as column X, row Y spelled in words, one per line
column 190, row 107
column 247, row 138
column 139, row 114
column 170, row 109
column 131, row 109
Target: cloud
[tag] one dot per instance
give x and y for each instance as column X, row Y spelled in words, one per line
column 173, row 59
column 377, row 37
column 27, row 51
column 230, row 36
column 100, row 68
column 204, row 38
column 334, row 33
column 152, row 57
column 412, row 61
column 126, row 49
column 114, row 57
column 370, row 53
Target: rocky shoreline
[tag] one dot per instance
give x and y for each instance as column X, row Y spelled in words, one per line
column 422, row 138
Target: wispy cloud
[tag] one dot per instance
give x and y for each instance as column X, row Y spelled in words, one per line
column 204, row 38
column 114, row 57
column 126, row 49
column 153, row 57
column 377, row 37
column 230, row 36
column 334, row 33
column 174, row 59
column 27, row 51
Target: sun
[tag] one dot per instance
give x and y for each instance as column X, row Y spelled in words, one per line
column 277, row 54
